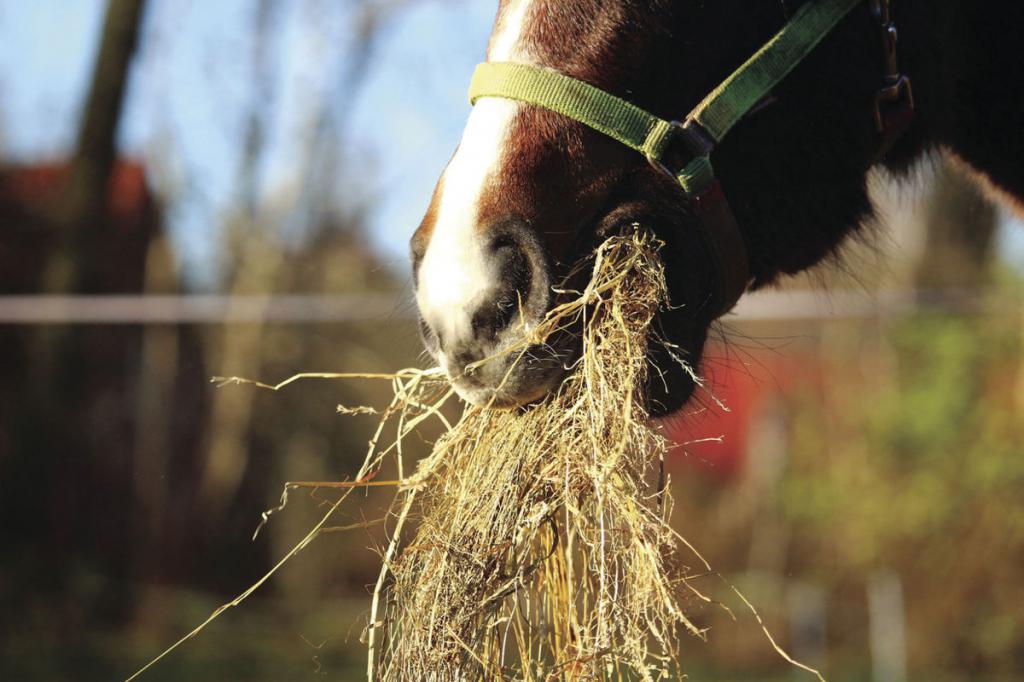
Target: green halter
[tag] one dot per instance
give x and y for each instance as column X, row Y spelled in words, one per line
column 648, row 134
column 705, row 126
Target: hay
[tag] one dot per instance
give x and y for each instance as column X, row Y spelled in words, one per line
column 542, row 549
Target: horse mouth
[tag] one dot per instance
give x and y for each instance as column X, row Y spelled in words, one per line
column 507, row 371
column 513, row 377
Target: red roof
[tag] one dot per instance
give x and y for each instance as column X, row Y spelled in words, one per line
column 28, row 234
column 39, row 185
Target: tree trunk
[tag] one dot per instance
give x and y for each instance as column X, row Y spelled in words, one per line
column 81, row 211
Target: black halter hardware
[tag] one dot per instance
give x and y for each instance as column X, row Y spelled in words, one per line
column 894, row 110
column 894, row 102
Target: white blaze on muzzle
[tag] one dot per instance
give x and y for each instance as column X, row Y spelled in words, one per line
column 457, row 274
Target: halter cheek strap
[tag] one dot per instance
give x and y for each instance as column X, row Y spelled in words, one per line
column 682, row 150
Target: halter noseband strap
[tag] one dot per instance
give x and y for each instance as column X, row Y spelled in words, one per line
column 682, row 150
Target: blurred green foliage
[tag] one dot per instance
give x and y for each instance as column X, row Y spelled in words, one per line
column 920, row 470
column 914, row 448
column 896, row 448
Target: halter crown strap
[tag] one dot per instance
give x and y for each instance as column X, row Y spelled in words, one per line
column 750, row 83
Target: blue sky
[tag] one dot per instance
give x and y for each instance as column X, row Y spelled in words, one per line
column 193, row 85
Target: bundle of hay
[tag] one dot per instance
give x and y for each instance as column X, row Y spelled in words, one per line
column 542, row 548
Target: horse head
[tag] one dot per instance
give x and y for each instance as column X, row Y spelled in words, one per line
column 529, row 191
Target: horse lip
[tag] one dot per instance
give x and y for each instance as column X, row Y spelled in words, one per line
column 512, row 379
column 500, row 398
column 490, row 397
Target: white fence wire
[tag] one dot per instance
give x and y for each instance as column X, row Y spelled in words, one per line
column 144, row 309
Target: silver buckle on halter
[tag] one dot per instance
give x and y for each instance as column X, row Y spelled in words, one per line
column 693, row 139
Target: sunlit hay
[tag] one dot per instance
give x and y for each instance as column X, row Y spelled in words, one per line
column 542, row 547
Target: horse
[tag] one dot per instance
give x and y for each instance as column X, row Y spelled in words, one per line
column 529, row 190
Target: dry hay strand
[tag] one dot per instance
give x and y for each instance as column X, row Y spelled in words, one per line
column 542, row 548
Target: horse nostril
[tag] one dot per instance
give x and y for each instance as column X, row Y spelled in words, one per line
column 494, row 316
column 513, row 271
column 475, row 297
column 514, row 266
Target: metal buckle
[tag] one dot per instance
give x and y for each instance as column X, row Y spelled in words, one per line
column 695, row 142
column 894, row 104
column 718, row 227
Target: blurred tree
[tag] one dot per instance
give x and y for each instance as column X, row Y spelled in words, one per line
column 88, row 377
column 251, row 435
column 81, row 211
column 124, row 476
column 253, row 264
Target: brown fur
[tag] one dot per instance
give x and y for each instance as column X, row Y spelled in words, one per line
column 794, row 172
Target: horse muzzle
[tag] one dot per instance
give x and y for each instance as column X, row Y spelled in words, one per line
column 479, row 300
